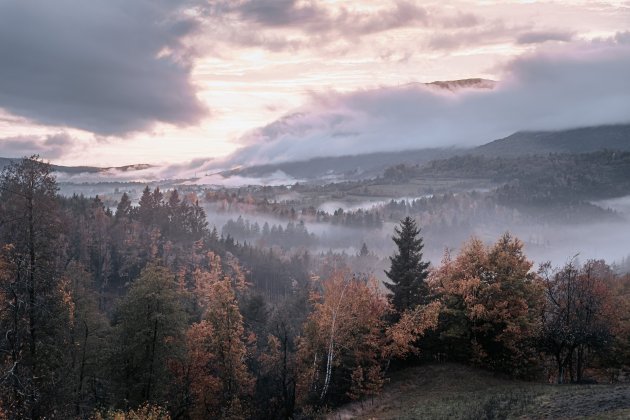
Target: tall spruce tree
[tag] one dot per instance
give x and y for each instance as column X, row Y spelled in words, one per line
column 408, row 271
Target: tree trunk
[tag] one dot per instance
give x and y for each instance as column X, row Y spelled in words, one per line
column 32, row 300
column 580, row 363
column 82, row 371
column 331, row 346
column 152, row 360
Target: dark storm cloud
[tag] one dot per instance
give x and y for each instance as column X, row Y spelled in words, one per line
column 105, row 66
column 48, row 147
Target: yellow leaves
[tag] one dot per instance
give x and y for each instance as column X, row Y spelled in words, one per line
column 147, row 411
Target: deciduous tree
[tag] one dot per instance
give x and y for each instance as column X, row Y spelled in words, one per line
column 32, row 317
column 492, row 303
column 149, row 326
column 578, row 314
column 340, row 351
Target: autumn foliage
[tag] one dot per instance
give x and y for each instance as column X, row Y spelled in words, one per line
column 348, row 343
column 147, row 313
column 492, row 305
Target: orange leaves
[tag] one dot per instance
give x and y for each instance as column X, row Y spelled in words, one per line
column 345, row 331
column 214, row 368
column 492, row 300
column 412, row 325
column 203, row 384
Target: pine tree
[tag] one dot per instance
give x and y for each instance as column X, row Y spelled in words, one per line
column 364, row 252
column 408, row 271
column 123, row 209
column 145, row 207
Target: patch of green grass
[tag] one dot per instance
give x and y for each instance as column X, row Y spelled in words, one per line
column 459, row 392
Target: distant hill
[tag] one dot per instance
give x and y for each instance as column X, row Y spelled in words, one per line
column 81, row 169
column 453, row 85
column 370, row 165
column 347, row 167
column 579, row 140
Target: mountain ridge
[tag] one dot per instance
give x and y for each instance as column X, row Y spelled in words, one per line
column 573, row 141
column 361, row 166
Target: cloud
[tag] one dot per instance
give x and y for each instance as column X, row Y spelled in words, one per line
column 551, row 89
column 622, row 38
column 294, row 24
column 496, row 31
column 312, row 17
column 539, row 37
column 49, row 147
column 106, row 66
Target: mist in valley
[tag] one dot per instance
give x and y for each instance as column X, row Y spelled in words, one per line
column 544, row 240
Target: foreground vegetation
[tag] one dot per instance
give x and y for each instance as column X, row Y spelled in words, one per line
column 146, row 310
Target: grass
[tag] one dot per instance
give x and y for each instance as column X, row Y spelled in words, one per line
column 452, row 391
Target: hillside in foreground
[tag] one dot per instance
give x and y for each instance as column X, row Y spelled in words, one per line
column 450, row 391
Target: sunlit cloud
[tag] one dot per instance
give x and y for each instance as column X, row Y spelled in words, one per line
column 549, row 90
column 166, row 82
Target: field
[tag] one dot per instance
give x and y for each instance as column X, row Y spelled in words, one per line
column 450, row 391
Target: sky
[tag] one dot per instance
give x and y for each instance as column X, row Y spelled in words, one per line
column 239, row 82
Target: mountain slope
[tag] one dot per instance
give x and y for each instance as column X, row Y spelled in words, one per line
column 579, row 140
column 347, row 167
column 80, row 169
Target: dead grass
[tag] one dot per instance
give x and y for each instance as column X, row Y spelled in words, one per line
column 458, row 392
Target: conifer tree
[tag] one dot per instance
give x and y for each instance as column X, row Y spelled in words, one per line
column 408, row 271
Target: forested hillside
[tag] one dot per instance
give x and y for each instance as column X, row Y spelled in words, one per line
column 578, row 140
column 145, row 310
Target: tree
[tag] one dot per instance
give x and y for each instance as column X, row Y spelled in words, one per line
column 124, row 208
column 578, row 314
column 32, row 315
column 340, row 351
column 149, row 326
column 364, row 252
column 492, row 304
column 408, row 271
column 146, row 207
column 213, row 374
column 277, row 373
column 88, row 334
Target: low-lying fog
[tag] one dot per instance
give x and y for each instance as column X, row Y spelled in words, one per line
column 543, row 241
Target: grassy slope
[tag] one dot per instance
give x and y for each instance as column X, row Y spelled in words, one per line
column 458, row 392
